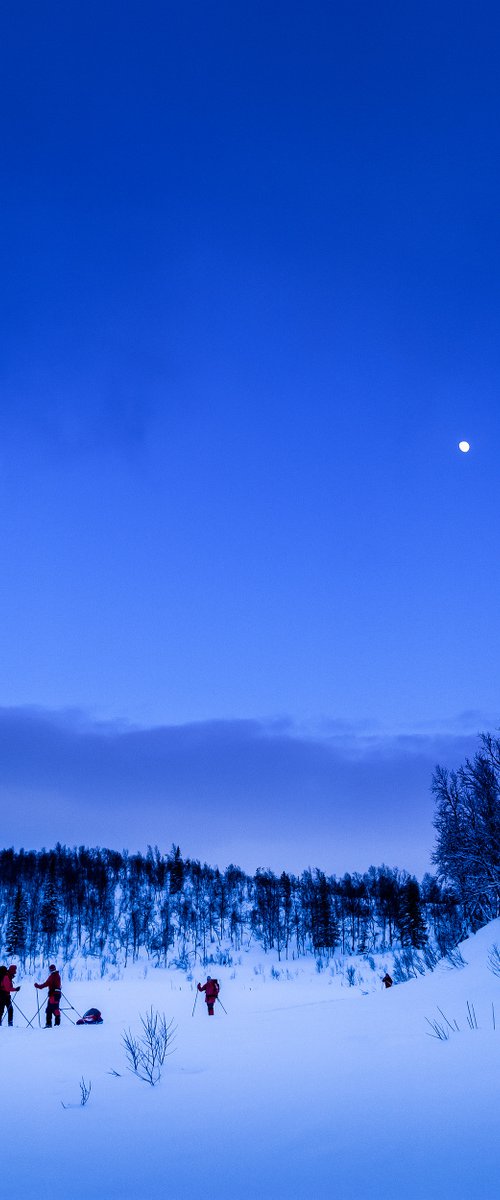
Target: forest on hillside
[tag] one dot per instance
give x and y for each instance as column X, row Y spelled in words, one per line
column 176, row 910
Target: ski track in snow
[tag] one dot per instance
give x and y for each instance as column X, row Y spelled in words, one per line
column 306, row 1088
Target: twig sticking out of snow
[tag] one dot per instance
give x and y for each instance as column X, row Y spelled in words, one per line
column 471, row 1016
column 452, row 1027
column 439, row 1031
column 147, row 1053
column 85, row 1090
column 494, row 959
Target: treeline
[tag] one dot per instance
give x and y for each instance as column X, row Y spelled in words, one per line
column 175, row 910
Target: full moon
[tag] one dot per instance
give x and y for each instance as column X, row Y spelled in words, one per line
column 464, row 447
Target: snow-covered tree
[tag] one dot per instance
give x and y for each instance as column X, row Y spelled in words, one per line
column 467, row 824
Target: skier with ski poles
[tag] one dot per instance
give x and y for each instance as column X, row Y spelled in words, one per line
column 53, row 983
column 6, row 990
column 211, row 989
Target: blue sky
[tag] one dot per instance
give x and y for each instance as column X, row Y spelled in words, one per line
column 250, row 306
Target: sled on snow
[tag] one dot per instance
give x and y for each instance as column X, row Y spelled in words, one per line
column 91, row 1017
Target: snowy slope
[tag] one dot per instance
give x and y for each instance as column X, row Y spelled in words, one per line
column 306, row 1088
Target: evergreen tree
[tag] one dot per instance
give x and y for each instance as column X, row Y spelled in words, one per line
column 177, row 870
column 411, row 921
column 324, row 924
column 16, row 936
column 50, row 916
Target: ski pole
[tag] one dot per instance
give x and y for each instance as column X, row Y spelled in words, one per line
column 21, row 1011
column 30, row 1023
column 194, row 1005
column 63, row 1010
column 222, row 1006
column 71, row 1006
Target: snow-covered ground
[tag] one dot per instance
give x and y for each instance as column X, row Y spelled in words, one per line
column 306, row 1088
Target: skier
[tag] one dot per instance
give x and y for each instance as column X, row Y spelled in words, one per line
column 387, row 981
column 53, row 983
column 211, row 989
column 6, row 989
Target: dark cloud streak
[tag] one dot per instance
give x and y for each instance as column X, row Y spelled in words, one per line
column 257, row 793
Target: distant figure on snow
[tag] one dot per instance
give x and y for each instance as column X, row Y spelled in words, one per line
column 53, row 983
column 387, row 981
column 211, row 989
column 6, row 989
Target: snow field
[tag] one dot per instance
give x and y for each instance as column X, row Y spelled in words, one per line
column 306, row 1088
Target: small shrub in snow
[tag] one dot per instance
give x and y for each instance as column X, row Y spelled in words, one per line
column 407, row 965
column 275, row 974
column 439, row 1030
column 181, row 962
column 221, row 958
column 431, row 956
column 403, row 969
column 146, row 1054
column 494, row 959
column 455, row 959
column 350, row 974
column 442, row 1032
column 85, row 1090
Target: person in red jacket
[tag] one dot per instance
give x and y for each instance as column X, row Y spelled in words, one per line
column 6, row 990
column 211, row 990
column 53, row 983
